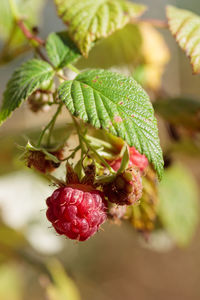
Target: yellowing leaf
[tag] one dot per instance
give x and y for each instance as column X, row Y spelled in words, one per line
column 155, row 56
column 89, row 20
column 64, row 287
column 178, row 206
column 154, row 48
column 122, row 48
column 134, row 48
column 185, row 27
column 11, row 282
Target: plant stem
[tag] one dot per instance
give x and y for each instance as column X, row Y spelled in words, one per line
column 79, row 136
column 73, row 153
column 73, row 68
column 52, row 178
column 82, row 139
column 50, row 125
column 61, row 76
column 88, row 144
column 28, row 34
column 42, row 56
column 154, row 22
column 53, row 124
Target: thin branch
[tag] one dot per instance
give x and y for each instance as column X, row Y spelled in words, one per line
column 28, row 34
column 89, row 146
column 73, row 68
column 79, row 136
column 154, row 22
column 51, row 123
column 61, row 76
column 72, row 155
column 55, row 180
column 42, row 56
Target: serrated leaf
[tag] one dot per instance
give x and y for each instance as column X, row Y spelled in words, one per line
column 24, row 81
column 178, row 208
column 61, row 50
column 118, row 104
column 183, row 112
column 89, row 20
column 185, row 27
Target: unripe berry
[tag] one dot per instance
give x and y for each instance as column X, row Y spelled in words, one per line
column 126, row 189
column 38, row 161
column 40, row 101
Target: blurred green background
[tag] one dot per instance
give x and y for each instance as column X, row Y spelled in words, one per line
column 116, row 264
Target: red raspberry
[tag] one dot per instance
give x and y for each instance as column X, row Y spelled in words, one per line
column 136, row 159
column 76, row 211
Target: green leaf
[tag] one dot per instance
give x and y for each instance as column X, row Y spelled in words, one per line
column 180, row 111
column 178, row 208
column 61, row 50
column 25, row 80
column 118, row 104
column 185, row 27
column 89, row 20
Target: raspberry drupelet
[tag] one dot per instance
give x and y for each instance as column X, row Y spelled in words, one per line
column 76, row 211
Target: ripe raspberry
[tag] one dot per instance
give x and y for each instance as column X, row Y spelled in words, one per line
column 126, row 189
column 76, row 211
column 136, row 159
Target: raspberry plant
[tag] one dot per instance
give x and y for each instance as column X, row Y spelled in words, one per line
column 118, row 153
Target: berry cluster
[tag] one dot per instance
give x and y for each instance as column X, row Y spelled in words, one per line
column 78, row 209
column 40, row 101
